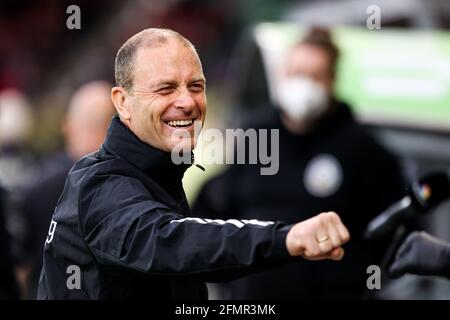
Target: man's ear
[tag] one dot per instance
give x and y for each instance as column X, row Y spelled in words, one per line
column 121, row 101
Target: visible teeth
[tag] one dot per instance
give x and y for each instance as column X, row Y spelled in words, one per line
column 176, row 123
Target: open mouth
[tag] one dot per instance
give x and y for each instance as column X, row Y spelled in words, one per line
column 179, row 123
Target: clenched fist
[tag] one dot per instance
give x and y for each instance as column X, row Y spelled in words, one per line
column 320, row 237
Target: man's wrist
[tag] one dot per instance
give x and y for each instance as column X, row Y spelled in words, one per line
column 280, row 248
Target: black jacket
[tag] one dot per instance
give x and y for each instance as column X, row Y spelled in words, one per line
column 367, row 180
column 121, row 221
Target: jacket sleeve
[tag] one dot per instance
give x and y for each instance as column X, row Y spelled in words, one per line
column 125, row 227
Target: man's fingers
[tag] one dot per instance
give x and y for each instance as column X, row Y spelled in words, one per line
column 335, row 237
column 312, row 249
column 337, row 254
column 331, row 234
column 320, row 237
column 323, row 238
column 342, row 230
column 326, row 247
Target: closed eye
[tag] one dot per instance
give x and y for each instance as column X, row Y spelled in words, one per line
column 165, row 90
column 197, row 87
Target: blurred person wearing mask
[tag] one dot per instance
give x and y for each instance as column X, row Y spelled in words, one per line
column 84, row 127
column 326, row 161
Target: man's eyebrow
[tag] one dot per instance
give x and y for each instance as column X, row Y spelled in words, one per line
column 164, row 82
column 199, row 79
column 174, row 83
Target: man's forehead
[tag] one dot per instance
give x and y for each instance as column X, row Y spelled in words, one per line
column 166, row 52
column 168, row 60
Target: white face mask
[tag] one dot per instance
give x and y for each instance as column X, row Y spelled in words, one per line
column 302, row 98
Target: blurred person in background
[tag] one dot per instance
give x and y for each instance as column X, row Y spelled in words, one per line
column 16, row 122
column 16, row 170
column 84, row 128
column 8, row 285
column 326, row 161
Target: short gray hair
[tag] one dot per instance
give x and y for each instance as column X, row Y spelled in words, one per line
column 125, row 58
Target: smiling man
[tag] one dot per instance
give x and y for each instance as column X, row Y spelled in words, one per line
column 121, row 228
column 166, row 72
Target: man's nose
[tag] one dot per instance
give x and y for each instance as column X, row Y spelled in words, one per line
column 185, row 100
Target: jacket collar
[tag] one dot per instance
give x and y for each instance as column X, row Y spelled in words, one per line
column 121, row 141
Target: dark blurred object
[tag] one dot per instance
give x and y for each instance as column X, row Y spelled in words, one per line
column 36, row 43
column 8, row 284
column 423, row 195
column 422, row 254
